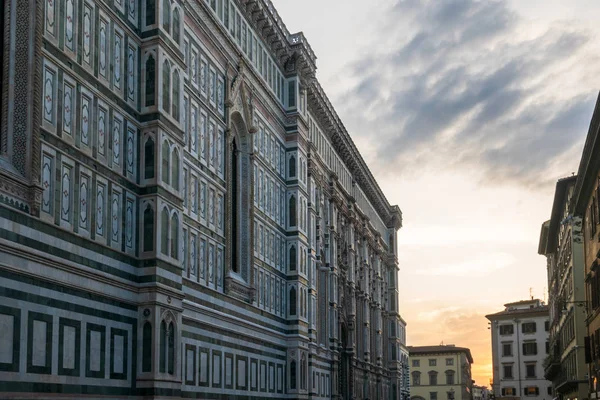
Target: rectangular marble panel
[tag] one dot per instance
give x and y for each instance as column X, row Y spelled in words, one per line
column 254, row 375
column 38, row 358
column 263, row 377
column 69, row 340
column 241, row 373
column 95, row 350
column 118, row 354
column 228, row 371
column 190, row 356
column 216, row 370
column 203, row 368
column 6, row 338
column 279, row 378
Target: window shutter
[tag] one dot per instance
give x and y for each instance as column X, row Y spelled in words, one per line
column 598, row 198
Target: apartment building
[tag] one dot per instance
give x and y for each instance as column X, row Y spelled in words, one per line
column 520, row 343
column 440, row 372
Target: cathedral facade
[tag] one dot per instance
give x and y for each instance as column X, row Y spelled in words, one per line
column 182, row 212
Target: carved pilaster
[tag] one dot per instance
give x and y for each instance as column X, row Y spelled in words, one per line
column 34, row 173
column 20, row 122
column 4, row 64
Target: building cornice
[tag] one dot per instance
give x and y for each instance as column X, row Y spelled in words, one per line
column 558, row 207
column 589, row 165
column 324, row 112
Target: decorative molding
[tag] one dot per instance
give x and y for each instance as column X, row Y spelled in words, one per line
column 19, row 195
column 239, row 290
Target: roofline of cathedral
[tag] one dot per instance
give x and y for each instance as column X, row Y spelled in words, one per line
column 296, row 46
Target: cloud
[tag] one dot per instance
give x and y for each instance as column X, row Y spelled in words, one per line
column 465, row 84
column 429, row 316
column 481, row 266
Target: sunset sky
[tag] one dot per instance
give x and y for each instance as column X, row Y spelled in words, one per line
column 467, row 112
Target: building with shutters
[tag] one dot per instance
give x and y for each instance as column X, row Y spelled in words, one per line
column 561, row 243
column 440, row 373
column 520, row 344
column 182, row 212
column 480, row 393
column 585, row 209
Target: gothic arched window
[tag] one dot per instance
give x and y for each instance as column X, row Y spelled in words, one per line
column 293, row 375
column 303, row 372
column 174, row 236
column 150, row 12
column 175, row 108
column 147, row 347
column 167, row 16
column 304, row 303
column 166, row 154
column 148, row 228
column 293, row 301
column 293, row 258
column 150, row 81
column 234, row 206
column 163, row 347
column 171, row 349
column 176, row 26
column 292, row 211
column 292, row 167
column 164, row 232
column 166, row 86
column 149, row 159
column 175, row 170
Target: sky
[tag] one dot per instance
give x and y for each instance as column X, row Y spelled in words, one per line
column 467, row 112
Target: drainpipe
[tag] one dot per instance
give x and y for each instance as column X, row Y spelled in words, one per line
column 519, row 346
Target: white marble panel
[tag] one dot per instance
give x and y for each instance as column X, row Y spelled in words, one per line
column 241, row 372
column 69, row 338
column 189, row 365
column 118, row 354
column 38, row 358
column 228, row 371
column 6, row 338
column 95, row 350
column 216, row 370
column 203, row 368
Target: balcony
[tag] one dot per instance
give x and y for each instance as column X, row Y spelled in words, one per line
column 564, row 382
column 551, row 367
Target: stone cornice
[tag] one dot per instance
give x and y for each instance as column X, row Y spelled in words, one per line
column 330, row 122
column 292, row 52
column 588, row 166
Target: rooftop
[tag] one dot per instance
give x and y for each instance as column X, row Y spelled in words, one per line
column 511, row 310
column 414, row 350
column 522, row 303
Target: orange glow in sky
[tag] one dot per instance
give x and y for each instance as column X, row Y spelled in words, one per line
column 467, row 113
